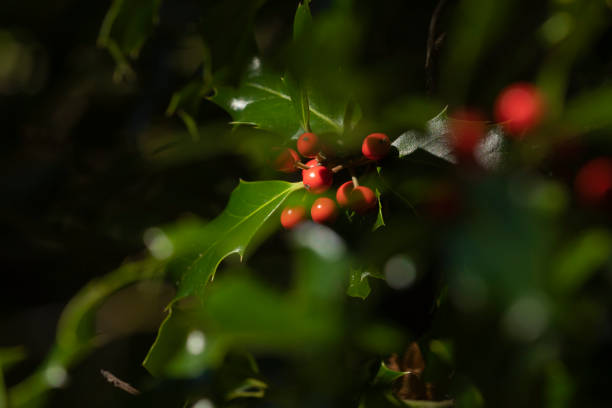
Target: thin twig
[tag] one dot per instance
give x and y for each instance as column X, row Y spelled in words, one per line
column 119, row 383
column 432, row 43
column 301, row 165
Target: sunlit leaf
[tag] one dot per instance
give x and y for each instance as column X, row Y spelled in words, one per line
column 250, row 206
column 358, row 284
column 435, row 140
column 264, row 100
column 489, row 152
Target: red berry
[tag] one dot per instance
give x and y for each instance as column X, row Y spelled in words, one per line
column 364, row 199
column 467, row 128
column 318, row 178
column 312, row 163
column 360, row 199
column 308, row 145
column 376, row 146
column 343, row 195
column 519, row 107
column 286, row 159
column 292, row 216
column 323, row 210
column 594, row 180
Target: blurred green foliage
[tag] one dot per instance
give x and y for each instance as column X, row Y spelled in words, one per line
column 153, row 153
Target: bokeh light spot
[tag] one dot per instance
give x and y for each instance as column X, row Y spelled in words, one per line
column 158, row 243
column 400, row 272
column 320, row 239
column 526, row 319
column 196, row 342
column 56, row 376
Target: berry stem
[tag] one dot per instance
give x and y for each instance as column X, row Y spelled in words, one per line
column 301, row 165
column 354, row 178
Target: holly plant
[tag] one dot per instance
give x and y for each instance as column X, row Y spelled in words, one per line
column 356, row 264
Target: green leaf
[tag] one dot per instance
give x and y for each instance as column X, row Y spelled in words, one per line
column 185, row 103
column 476, row 27
column 560, row 387
column 380, row 222
column 250, row 388
column 490, row 151
column 359, row 286
column 190, row 124
column 591, row 110
column 10, row 356
column 250, row 206
column 302, row 23
column 126, row 27
column 435, row 140
column 238, row 313
column 385, row 376
column 443, row 349
column 470, row 397
column 427, row 404
column 580, row 259
column 299, row 97
column 264, row 100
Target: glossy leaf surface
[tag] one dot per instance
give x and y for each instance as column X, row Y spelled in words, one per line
column 250, row 206
column 267, row 101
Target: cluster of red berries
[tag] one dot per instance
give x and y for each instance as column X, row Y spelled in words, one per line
column 318, row 177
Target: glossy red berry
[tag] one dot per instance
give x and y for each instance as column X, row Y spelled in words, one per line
column 364, row 199
column 467, row 129
column 323, row 210
column 360, row 199
column 308, row 145
column 376, row 146
column 312, row 163
column 318, row 178
column 286, row 159
column 594, row 180
column 519, row 107
column 292, row 216
column 343, row 195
